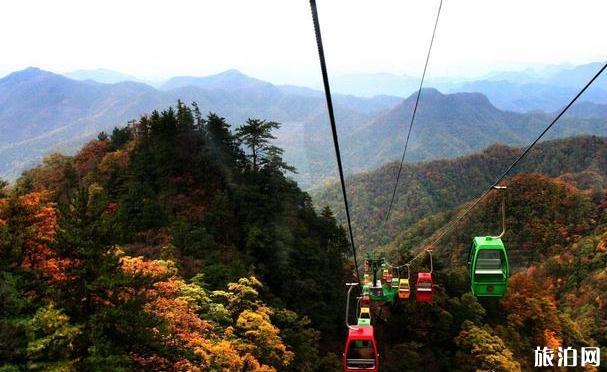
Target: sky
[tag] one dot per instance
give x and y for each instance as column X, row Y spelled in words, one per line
column 274, row 39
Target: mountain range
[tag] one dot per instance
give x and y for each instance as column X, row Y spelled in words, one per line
column 532, row 89
column 42, row 112
column 450, row 125
column 545, row 89
column 437, row 186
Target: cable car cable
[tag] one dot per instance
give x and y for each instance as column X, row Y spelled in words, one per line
column 451, row 225
column 408, row 263
column 419, row 92
column 325, row 80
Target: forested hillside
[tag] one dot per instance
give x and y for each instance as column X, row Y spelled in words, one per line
column 451, row 125
column 436, row 186
column 179, row 244
column 172, row 244
column 556, row 238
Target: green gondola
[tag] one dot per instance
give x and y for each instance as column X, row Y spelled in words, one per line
column 489, row 267
column 383, row 293
column 377, row 274
column 488, row 262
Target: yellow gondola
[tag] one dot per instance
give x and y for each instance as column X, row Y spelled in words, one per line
column 364, row 318
column 404, row 289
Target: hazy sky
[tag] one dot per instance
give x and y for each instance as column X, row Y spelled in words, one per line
column 274, row 39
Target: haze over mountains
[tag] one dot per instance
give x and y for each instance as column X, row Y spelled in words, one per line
column 42, row 112
column 532, row 89
column 102, row 75
column 543, row 89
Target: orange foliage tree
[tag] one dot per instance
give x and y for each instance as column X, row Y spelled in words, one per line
column 32, row 222
column 225, row 330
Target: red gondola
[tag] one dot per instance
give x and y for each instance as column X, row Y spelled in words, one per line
column 364, row 301
column 389, row 280
column 424, row 287
column 360, row 353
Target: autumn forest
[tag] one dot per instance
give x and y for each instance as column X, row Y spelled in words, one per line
column 181, row 243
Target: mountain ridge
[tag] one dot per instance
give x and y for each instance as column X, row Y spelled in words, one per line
column 437, row 185
column 38, row 104
column 101, row 75
column 43, row 112
column 230, row 80
column 450, row 125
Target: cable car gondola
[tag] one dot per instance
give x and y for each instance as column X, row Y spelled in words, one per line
column 383, row 288
column 488, row 262
column 364, row 299
column 385, row 273
column 489, row 268
column 395, row 282
column 364, row 318
column 389, row 280
column 377, row 291
column 404, row 290
column 360, row 353
column 424, row 288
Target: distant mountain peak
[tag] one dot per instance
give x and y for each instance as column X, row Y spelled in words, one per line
column 30, row 69
column 436, row 113
column 432, row 95
column 231, row 79
column 100, row 75
column 29, row 73
column 426, row 93
column 232, row 72
column 431, row 92
column 231, row 75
